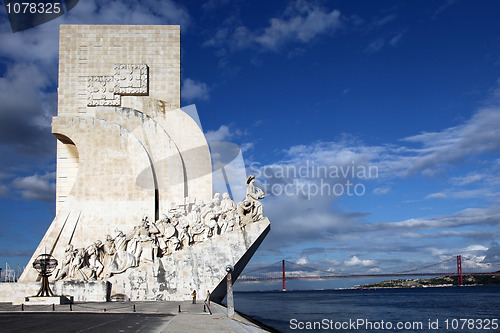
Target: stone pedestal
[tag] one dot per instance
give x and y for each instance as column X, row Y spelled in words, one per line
column 48, row 300
column 78, row 291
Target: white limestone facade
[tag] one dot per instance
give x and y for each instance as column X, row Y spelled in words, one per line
column 126, row 151
column 119, row 162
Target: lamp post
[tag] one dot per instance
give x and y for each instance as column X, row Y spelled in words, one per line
column 230, row 298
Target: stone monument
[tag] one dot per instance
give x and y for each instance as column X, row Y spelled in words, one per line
column 136, row 218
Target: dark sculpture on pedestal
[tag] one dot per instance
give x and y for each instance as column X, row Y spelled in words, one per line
column 45, row 265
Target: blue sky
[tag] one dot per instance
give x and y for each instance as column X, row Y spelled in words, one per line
column 409, row 88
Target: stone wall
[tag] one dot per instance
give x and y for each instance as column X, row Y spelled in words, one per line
column 94, row 50
column 16, row 292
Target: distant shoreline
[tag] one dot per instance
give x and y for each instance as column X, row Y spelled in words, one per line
column 364, row 287
column 420, row 287
column 437, row 282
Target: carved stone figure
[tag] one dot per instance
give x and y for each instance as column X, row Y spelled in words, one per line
column 195, row 223
column 66, row 263
column 142, row 245
column 148, row 233
column 78, row 265
column 228, row 217
column 209, row 217
column 134, row 246
column 216, row 209
column 123, row 259
column 216, row 205
column 244, row 210
column 168, row 234
column 233, row 219
column 227, row 204
column 168, row 240
column 254, row 194
column 161, row 226
column 96, row 266
column 222, row 224
column 109, row 251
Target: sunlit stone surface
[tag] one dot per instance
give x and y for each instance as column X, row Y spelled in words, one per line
column 136, row 216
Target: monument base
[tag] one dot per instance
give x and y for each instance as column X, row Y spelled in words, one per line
column 48, row 300
column 200, row 267
column 17, row 292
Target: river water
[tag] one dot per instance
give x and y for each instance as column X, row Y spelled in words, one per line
column 446, row 309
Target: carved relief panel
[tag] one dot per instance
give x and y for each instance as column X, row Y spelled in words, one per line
column 101, row 91
column 129, row 79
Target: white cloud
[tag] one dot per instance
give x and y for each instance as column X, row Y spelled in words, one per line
column 304, row 260
column 247, row 146
column 26, row 110
column 332, row 262
column 218, row 38
column 467, row 179
column 378, row 22
column 298, row 220
column 438, row 195
column 475, row 247
column 379, row 43
column 478, row 135
column 480, row 234
column 492, row 255
column 37, row 187
column 41, row 44
column 381, row 190
column 301, row 23
column 442, row 8
column 467, row 217
column 129, row 11
column 38, row 44
column 375, row 45
column 476, row 193
column 194, row 90
column 475, row 257
column 220, row 135
column 394, row 41
column 4, row 190
column 355, row 261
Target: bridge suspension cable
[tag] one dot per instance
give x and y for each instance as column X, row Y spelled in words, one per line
column 314, row 269
column 419, row 271
column 258, row 269
column 419, row 268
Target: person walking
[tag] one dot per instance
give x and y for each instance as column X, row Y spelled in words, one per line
column 194, row 296
column 207, row 300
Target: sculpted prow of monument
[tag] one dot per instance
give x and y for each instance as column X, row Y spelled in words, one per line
column 136, row 217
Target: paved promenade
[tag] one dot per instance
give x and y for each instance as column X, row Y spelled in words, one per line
column 120, row 317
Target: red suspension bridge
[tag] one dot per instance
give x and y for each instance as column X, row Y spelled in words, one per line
column 285, row 270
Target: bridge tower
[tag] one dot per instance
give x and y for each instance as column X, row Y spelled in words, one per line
column 459, row 270
column 284, row 286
